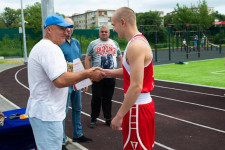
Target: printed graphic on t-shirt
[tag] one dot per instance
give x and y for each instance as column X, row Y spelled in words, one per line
column 107, row 61
column 106, row 51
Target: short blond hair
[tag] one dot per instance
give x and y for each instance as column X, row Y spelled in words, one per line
column 104, row 27
column 127, row 14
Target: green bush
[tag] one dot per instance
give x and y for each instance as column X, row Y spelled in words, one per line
column 122, row 42
column 10, row 47
column 30, row 43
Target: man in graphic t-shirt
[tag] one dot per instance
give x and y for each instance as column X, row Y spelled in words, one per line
column 103, row 53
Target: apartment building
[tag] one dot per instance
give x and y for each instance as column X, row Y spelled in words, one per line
column 93, row 18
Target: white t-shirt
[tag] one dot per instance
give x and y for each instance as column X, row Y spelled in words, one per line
column 46, row 63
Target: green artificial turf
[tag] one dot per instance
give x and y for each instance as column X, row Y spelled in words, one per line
column 207, row 72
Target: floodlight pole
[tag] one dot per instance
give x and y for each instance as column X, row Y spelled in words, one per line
column 128, row 4
column 47, row 9
column 24, row 34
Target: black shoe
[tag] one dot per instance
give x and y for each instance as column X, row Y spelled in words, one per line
column 108, row 122
column 82, row 139
column 93, row 123
column 64, row 147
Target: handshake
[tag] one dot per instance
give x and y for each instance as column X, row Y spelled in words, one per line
column 96, row 73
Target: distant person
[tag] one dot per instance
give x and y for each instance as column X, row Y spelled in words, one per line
column 71, row 50
column 103, row 53
column 48, row 82
column 195, row 42
column 137, row 113
column 202, row 42
column 184, row 43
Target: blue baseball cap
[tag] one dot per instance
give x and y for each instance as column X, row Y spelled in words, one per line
column 57, row 20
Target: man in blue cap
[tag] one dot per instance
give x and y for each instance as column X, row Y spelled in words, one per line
column 48, row 82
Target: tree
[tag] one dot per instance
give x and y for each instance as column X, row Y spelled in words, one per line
column 32, row 16
column 218, row 16
column 2, row 23
column 193, row 15
column 205, row 17
column 149, row 18
column 93, row 27
column 10, row 17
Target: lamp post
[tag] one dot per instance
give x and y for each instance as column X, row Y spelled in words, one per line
column 24, row 34
column 47, row 8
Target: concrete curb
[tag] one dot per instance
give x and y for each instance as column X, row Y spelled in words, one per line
column 74, row 145
column 5, row 104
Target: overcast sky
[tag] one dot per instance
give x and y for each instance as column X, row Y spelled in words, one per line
column 69, row 7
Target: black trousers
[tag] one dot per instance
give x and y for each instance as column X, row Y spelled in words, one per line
column 102, row 93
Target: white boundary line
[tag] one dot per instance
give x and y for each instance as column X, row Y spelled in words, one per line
column 182, row 120
column 189, row 91
column 155, row 112
column 9, row 102
column 156, row 143
column 189, row 122
column 18, row 80
column 164, row 146
column 191, row 84
column 171, row 99
column 186, row 84
column 189, row 61
column 184, row 101
column 219, row 72
column 70, row 140
column 80, row 146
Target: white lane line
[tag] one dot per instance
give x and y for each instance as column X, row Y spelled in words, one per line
column 171, row 99
column 156, row 143
column 86, row 114
column 19, row 81
column 164, row 146
column 161, row 145
column 213, row 87
column 9, row 102
column 189, row 122
column 188, row 91
column 76, row 144
column 219, row 72
column 188, row 61
column 196, row 124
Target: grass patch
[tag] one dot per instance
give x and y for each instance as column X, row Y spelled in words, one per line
column 3, row 61
column 199, row 72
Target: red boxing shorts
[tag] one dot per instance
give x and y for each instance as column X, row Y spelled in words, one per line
column 139, row 127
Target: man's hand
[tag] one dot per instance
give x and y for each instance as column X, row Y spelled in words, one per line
column 97, row 74
column 116, row 123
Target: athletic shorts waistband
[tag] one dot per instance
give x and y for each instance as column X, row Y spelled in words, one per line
column 143, row 98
